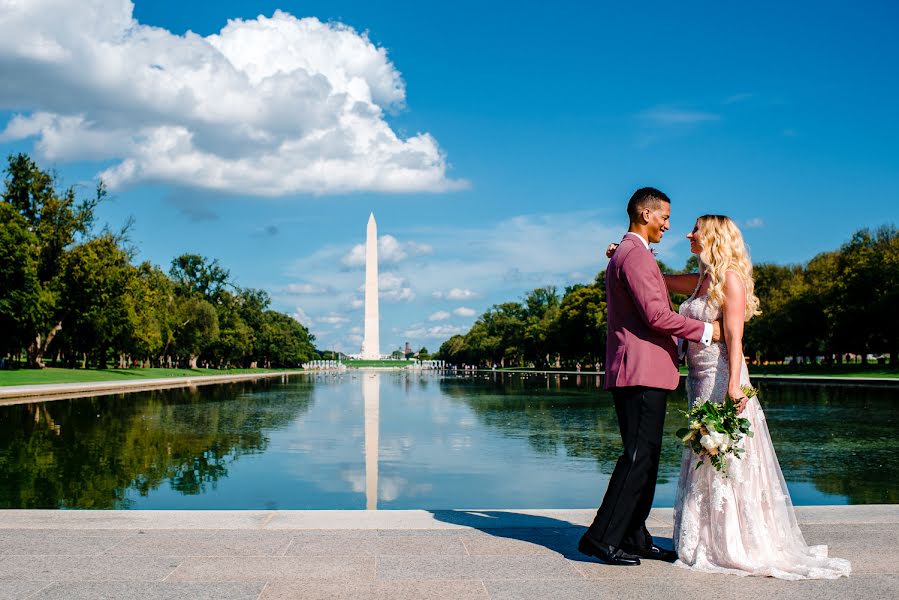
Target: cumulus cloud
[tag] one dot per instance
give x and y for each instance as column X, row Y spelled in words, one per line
column 390, row 251
column 307, row 289
column 463, row 311
column 394, row 288
column 455, row 294
column 268, row 106
column 334, row 319
column 440, row 315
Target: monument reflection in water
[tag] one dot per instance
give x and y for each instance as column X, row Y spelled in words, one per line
column 371, row 396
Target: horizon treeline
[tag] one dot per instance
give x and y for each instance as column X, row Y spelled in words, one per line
column 839, row 303
column 72, row 294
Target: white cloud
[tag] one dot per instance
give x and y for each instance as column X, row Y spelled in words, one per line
column 307, row 289
column 335, row 319
column 754, row 223
column 270, row 106
column 390, row 251
column 670, row 116
column 455, row 294
column 394, row 288
column 433, row 333
column 301, row 317
column 440, row 315
column 463, row 311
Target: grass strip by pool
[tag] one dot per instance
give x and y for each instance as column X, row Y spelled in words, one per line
column 52, row 375
column 775, row 371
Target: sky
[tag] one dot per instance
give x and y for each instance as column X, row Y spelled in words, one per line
column 497, row 144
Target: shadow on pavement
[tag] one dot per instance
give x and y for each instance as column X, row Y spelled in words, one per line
column 556, row 535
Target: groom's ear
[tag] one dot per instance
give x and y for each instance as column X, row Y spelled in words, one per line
column 644, row 216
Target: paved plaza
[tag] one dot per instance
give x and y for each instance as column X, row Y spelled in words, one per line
column 453, row 555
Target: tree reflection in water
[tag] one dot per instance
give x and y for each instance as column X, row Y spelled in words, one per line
column 839, row 438
column 90, row 452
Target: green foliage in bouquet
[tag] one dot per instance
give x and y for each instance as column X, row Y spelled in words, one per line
column 714, row 431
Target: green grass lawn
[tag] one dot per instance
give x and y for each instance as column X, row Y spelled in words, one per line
column 782, row 370
column 821, row 371
column 53, row 375
column 378, row 363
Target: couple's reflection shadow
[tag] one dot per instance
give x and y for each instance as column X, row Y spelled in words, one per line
column 556, row 535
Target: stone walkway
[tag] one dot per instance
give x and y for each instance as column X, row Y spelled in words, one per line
column 457, row 555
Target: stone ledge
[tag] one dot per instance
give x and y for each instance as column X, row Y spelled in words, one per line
column 24, row 394
column 380, row 519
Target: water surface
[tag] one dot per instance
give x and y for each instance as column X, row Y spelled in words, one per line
column 395, row 440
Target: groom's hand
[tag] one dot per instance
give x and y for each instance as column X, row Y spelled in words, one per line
column 716, row 331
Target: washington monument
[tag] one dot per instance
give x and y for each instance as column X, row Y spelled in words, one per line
column 371, row 345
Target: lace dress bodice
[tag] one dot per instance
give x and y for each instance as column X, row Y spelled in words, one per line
column 709, row 372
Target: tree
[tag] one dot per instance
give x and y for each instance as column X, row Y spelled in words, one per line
column 452, row 350
column 865, row 294
column 197, row 328
column 541, row 311
column 581, row 326
column 95, row 280
column 283, row 341
column 195, row 274
column 20, row 290
column 236, row 338
column 151, row 309
column 57, row 219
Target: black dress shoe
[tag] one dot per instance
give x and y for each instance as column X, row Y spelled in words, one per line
column 653, row 553
column 611, row 556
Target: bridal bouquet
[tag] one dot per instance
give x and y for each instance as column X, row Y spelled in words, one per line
column 715, row 430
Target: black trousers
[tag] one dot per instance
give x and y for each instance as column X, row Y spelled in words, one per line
column 621, row 518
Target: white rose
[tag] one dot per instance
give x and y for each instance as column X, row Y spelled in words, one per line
column 707, row 442
column 725, row 444
column 717, row 438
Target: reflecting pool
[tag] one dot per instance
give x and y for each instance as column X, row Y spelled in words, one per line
column 400, row 439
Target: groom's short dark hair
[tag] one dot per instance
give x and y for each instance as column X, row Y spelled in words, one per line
column 645, row 198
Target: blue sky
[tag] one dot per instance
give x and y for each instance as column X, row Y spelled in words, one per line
column 507, row 137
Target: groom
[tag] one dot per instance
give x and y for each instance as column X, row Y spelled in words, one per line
column 641, row 368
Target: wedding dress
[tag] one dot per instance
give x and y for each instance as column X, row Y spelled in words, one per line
column 743, row 524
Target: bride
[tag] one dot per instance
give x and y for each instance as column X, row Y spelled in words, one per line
column 743, row 524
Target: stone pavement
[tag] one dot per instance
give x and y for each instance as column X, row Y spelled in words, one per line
column 458, row 555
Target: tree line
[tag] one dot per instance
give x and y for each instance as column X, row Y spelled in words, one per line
column 72, row 294
column 840, row 303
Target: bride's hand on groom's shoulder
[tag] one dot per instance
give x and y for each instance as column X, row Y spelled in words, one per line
column 610, row 250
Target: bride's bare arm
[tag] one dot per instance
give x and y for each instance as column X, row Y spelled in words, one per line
column 734, row 319
column 677, row 284
column 681, row 284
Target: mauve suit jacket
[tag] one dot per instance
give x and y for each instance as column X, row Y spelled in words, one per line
column 642, row 347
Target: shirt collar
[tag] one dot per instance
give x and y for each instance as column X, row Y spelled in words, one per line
column 639, row 237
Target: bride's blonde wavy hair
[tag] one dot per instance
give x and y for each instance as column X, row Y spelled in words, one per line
column 723, row 250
